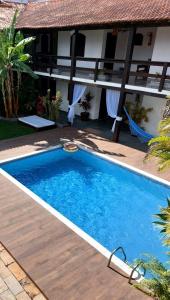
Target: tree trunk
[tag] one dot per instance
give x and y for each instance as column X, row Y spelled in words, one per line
column 11, row 78
column 9, row 94
column 17, row 92
column 5, row 100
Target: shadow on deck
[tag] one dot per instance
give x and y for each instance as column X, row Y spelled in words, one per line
column 102, row 128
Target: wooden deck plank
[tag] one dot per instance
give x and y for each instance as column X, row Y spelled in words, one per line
column 61, row 263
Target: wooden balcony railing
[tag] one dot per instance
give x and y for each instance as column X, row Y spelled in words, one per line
column 56, row 62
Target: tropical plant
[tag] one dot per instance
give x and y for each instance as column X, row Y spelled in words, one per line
column 164, row 223
column 160, row 146
column 52, row 106
column 28, row 95
column 85, row 103
column 158, row 285
column 12, row 63
column 166, row 113
column 138, row 112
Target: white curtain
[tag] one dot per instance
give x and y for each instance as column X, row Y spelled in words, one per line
column 77, row 95
column 112, row 103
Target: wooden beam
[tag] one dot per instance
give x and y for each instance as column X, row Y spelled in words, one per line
column 163, row 77
column 73, row 67
column 125, row 78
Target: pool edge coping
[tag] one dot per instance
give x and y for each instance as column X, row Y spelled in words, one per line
column 94, row 152
column 118, row 262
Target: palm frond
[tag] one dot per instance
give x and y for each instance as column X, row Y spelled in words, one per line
column 160, row 146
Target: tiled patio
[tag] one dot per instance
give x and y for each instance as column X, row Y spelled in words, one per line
column 14, row 282
column 62, row 264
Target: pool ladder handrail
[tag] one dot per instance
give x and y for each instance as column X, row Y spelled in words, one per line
column 114, row 251
column 133, row 270
column 125, row 261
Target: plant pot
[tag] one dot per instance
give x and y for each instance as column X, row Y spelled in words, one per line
column 84, row 116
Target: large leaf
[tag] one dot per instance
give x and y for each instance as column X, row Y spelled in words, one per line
column 22, row 67
column 23, row 43
column 24, row 57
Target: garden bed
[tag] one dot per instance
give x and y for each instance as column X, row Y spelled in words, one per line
column 13, row 129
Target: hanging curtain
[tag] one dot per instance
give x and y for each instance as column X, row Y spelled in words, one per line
column 77, row 95
column 112, row 103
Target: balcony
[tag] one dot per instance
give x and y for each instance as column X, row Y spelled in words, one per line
column 143, row 76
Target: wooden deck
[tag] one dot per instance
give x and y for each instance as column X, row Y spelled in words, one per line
column 61, row 263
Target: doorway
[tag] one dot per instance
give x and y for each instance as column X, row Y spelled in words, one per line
column 103, row 108
column 110, row 49
column 44, row 44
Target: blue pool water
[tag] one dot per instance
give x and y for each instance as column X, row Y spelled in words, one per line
column 112, row 204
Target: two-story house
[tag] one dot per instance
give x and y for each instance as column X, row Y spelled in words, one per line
column 119, row 46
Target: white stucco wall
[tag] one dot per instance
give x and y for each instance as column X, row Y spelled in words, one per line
column 161, row 52
column 64, row 47
column 158, row 105
column 62, row 86
column 96, row 92
column 143, row 52
column 93, row 46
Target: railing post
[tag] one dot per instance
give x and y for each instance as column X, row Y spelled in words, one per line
column 125, row 78
column 50, row 64
column 163, row 77
column 96, row 70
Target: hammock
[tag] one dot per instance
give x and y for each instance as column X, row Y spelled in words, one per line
column 142, row 135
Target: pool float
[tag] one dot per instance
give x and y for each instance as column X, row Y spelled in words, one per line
column 70, row 147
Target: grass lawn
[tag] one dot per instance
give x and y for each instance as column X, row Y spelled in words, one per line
column 13, row 129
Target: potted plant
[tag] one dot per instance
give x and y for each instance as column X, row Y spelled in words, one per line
column 138, row 112
column 85, row 104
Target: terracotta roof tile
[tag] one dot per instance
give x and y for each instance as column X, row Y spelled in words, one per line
column 70, row 13
column 7, row 11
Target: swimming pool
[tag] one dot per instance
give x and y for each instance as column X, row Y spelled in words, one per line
column 111, row 203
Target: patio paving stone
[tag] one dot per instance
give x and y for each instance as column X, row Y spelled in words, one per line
column 14, row 282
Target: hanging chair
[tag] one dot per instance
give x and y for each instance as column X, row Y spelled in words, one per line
column 142, row 135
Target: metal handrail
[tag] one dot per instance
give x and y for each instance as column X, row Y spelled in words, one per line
column 125, row 260
column 133, row 270
column 114, row 251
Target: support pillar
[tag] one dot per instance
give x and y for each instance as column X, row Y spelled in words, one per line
column 73, row 67
column 125, row 79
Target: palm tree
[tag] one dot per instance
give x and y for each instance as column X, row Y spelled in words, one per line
column 164, row 222
column 160, row 146
column 158, row 285
column 12, row 63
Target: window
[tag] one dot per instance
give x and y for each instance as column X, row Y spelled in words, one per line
column 138, row 39
column 80, row 44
